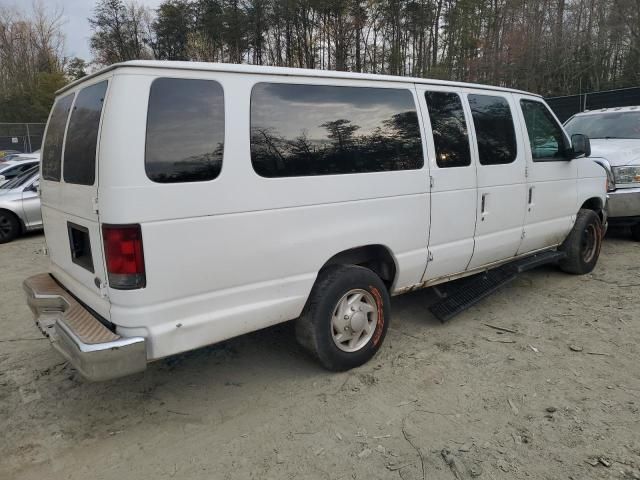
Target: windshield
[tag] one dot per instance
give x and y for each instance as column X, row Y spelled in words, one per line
column 20, row 180
column 606, row 125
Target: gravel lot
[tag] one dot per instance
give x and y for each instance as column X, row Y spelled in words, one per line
column 455, row 401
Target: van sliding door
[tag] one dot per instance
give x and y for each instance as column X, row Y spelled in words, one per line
column 453, row 181
column 502, row 185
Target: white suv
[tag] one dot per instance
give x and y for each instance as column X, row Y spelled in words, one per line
column 615, row 143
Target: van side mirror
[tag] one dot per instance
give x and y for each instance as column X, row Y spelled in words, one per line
column 580, row 145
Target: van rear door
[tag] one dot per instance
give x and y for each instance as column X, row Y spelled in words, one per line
column 69, row 189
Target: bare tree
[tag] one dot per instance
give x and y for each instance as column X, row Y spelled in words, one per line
column 31, row 61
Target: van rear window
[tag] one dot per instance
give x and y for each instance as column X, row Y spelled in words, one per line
column 185, row 130
column 52, row 149
column 82, row 135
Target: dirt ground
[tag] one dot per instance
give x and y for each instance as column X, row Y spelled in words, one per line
column 459, row 400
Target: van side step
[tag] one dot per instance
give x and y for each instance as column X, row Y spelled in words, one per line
column 466, row 292
column 538, row 260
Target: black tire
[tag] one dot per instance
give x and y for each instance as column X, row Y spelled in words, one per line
column 635, row 232
column 583, row 244
column 316, row 326
column 9, row 226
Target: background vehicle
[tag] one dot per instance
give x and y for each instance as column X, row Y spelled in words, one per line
column 14, row 168
column 7, row 154
column 20, row 205
column 615, row 143
column 206, row 201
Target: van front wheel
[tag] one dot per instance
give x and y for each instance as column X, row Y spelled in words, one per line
column 583, row 244
column 346, row 317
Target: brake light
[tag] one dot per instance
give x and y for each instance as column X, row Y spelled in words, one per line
column 125, row 256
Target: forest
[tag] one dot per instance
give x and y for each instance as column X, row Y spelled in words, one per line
column 551, row 47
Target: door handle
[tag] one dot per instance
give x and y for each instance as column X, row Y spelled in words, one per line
column 530, row 198
column 483, row 205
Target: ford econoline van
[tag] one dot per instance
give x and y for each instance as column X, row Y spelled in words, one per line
column 186, row 203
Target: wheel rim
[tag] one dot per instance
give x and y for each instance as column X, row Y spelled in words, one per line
column 354, row 320
column 589, row 243
column 5, row 227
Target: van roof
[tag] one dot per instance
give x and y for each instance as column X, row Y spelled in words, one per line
column 299, row 72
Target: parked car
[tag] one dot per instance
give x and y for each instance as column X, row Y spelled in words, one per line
column 20, row 205
column 207, row 201
column 13, row 168
column 8, row 154
column 615, row 143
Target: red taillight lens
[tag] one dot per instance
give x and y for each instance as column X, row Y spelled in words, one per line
column 124, row 255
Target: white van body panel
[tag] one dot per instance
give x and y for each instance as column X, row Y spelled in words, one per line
column 282, row 229
column 242, row 252
column 552, row 201
column 453, row 203
column 66, row 202
column 499, row 227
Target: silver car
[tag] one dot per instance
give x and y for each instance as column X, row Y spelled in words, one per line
column 20, row 205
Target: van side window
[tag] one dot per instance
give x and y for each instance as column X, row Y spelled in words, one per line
column 546, row 138
column 449, row 129
column 495, row 132
column 306, row 130
column 185, row 130
column 82, row 135
column 52, row 151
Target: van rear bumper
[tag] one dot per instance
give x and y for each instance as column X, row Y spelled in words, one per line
column 94, row 350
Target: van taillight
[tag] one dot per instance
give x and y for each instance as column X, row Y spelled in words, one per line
column 124, row 255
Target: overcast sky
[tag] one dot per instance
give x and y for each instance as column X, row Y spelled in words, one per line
column 76, row 25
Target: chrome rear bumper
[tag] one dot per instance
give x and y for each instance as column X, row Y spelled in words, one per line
column 94, row 350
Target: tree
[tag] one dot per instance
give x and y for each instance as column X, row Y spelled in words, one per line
column 31, row 62
column 76, row 68
column 551, row 47
column 341, row 131
column 175, row 19
column 120, row 32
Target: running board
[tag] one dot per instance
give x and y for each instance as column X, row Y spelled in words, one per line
column 468, row 291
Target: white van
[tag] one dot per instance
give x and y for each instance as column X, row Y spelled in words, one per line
column 188, row 203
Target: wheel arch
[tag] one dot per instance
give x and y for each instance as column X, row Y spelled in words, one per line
column 376, row 257
column 596, row 204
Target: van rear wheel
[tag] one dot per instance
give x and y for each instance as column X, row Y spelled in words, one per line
column 9, row 226
column 583, row 244
column 346, row 317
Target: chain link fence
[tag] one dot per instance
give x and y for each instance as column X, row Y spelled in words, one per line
column 565, row 107
column 23, row 137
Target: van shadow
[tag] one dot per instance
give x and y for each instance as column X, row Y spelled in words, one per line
column 216, row 382
column 220, row 380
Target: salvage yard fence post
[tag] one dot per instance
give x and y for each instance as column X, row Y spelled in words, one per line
column 23, row 137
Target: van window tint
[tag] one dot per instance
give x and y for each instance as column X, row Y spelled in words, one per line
column 185, row 130
column 304, row 130
column 545, row 135
column 82, row 135
column 494, row 129
column 52, row 151
column 449, row 129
